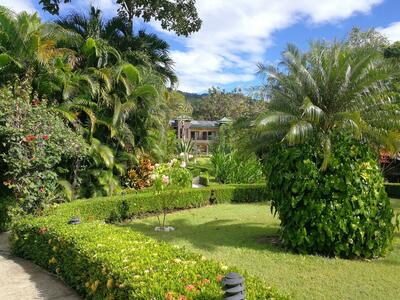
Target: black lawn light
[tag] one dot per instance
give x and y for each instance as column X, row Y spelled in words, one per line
column 74, row 221
column 233, row 285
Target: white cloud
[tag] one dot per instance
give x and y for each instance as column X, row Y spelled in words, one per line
column 392, row 32
column 19, row 5
column 236, row 34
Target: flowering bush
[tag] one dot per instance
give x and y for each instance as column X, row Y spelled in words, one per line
column 177, row 173
column 173, row 174
column 36, row 143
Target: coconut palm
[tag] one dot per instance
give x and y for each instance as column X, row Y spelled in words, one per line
column 332, row 87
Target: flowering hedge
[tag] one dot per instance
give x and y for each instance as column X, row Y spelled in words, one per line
column 103, row 261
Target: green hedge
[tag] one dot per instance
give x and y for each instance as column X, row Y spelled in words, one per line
column 393, row 190
column 6, row 205
column 204, row 180
column 104, row 261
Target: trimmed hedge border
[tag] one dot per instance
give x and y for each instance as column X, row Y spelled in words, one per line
column 104, row 261
column 6, row 205
column 393, row 189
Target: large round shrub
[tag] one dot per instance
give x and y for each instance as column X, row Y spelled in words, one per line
column 343, row 211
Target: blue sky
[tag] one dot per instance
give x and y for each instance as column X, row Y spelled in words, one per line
column 236, row 34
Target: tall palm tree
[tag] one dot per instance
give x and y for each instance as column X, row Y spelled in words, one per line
column 332, row 87
column 142, row 49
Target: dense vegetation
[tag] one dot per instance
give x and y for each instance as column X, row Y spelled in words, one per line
column 82, row 105
column 326, row 187
column 343, row 211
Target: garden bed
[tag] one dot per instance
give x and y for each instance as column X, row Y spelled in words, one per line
column 104, row 261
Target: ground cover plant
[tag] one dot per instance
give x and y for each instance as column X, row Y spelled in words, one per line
column 104, row 261
column 246, row 235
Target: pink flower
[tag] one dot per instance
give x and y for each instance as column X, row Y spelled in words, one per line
column 45, row 137
column 165, row 180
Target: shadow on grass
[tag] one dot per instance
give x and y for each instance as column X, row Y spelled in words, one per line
column 215, row 233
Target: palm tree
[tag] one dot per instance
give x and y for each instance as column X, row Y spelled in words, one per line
column 332, row 87
column 142, row 49
column 25, row 44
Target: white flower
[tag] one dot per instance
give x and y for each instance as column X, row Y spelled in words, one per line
column 181, row 154
column 156, row 166
column 190, row 156
column 153, row 176
column 183, row 164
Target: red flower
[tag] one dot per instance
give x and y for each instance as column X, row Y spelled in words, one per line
column 42, row 230
column 190, row 287
column 45, row 137
column 169, row 296
column 41, row 190
column 182, row 297
column 29, row 138
column 205, row 281
column 219, row 278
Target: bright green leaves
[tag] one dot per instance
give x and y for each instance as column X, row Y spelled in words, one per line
column 342, row 210
column 5, row 59
column 131, row 73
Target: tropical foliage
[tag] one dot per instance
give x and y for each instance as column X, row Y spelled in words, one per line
column 326, row 187
column 97, row 99
column 178, row 16
column 333, row 86
column 343, row 211
column 36, row 145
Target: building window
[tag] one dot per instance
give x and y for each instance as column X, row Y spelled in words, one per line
column 193, row 135
column 204, row 135
column 210, row 135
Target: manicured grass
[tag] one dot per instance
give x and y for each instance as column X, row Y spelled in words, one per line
column 237, row 235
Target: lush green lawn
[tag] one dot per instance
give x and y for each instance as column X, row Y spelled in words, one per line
column 236, row 235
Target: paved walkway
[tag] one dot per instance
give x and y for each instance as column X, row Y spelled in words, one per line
column 23, row 280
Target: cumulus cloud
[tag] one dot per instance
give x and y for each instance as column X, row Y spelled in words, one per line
column 392, row 32
column 236, row 34
column 19, row 5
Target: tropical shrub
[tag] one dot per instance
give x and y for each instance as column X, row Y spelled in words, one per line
column 141, row 176
column 330, row 201
column 343, row 211
column 178, row 175
column 231, row 167
column 36, row 144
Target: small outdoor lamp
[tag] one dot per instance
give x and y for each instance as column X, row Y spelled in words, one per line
column 74, row 221
column 233, row 285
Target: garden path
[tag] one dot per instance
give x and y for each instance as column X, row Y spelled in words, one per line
column 23, row 280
